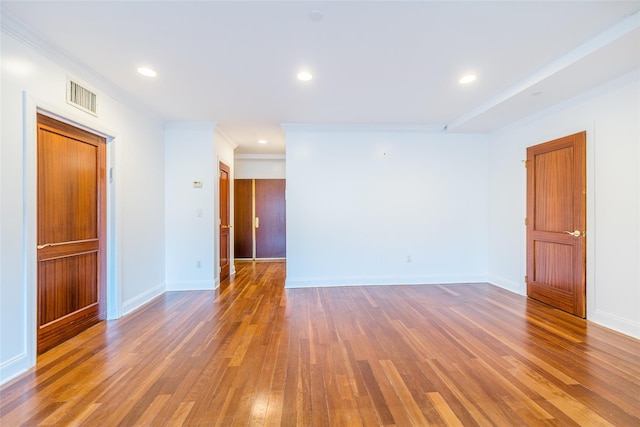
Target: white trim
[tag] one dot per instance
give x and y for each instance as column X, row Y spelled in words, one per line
column 590, row 273
column 226, row 137
column 31, row 107
column 142, row 299
column 114, row 236
column 616, row 323
column 509, row 285
column 317, row 282
column 30, row 170
column 15, row 28
column 14, row 367
column 626, row 25
column 192, row 285
column 287, row 127
column 260, row 157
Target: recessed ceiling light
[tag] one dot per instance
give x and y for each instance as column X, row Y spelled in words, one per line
column 262, row 141
column 305, row 76
column 467, row 79
column 146, row 71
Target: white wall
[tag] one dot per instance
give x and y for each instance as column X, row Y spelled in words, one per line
column 260, row 166
column 611, row 117
column 31, row 80
column 191, row 214
column 361, row 201
column 193, row 151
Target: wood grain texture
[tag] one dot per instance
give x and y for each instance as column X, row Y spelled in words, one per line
column 71, row 231
column 255, row 354
column 243, row 218
column 556, row 206
column 271, row 236
column 224, row 188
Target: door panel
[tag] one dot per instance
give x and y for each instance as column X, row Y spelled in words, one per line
column 224, row 222
column 270, row 211
column 556, row 222
column 243, row 218
column 80, row 282
column 554, row 190
column 71, row 231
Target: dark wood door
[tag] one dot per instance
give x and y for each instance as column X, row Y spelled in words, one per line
column 71, row 231
column 556, row 223
column 243, row 218
column 270, row 219
column 225, row 224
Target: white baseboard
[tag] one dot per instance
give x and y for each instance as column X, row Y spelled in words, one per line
column 320, row 282
column 616, row 323
column 140, row 300
column 14, row 367
column 192, row 285
column 510, row 285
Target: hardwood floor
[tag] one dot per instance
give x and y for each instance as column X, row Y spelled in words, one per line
column 256, row 354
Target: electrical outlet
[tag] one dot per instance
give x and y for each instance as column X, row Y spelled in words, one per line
column 198, row 264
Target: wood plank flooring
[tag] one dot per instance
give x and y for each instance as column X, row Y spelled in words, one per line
column 255, row 354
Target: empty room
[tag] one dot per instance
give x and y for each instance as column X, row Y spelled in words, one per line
column 320, row 213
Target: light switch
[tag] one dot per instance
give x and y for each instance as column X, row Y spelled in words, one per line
column 197, row 184
column 199, row 213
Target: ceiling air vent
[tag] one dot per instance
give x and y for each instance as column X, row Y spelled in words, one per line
column 82, row 98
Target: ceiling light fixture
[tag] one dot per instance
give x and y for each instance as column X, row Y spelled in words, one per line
column 262, row 141
column 147, row 72
column 467, row 79
column 304, row 76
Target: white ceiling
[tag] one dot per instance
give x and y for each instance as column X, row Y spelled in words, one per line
column 374, row 63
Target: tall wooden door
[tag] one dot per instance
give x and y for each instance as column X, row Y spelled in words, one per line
column 225, row 225
column 71, row 231
column 556, row 223
column 270, row 221
column 260, row 221
column 243, row 218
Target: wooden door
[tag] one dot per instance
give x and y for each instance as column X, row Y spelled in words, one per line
column 243, row 218
column 225, row 225
column 71, row 232
column 270, row 219
column 556, row 223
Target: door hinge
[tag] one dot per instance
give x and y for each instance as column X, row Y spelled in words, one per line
column 526, row 163
column 526, row 279
column 526, row 222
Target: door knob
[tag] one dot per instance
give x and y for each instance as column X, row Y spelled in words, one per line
column 573, row 233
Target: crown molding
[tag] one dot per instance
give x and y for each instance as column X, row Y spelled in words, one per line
column 13, row 27
column 260, row 156
column 628, row 24
column 226, row 137
column 287, row 127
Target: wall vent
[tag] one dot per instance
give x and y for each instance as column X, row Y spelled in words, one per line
column 82, row 98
